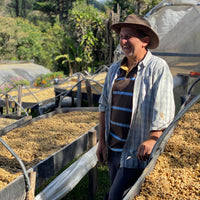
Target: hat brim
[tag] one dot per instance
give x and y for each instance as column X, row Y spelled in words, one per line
column 154, row 39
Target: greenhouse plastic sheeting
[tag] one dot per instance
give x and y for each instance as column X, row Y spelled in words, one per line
column 177, row 23
column 29, row 71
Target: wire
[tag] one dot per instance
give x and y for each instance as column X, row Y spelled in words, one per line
column 27, row 181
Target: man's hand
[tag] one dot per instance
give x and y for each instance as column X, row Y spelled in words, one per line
column 101, row 153
column 144, row 150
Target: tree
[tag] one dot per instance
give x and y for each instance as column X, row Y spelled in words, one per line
column 20, row 8
column 22, row 40
column 140, row 7
column 54, row 8
column 85, row 41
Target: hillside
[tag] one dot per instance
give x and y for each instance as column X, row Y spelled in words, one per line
column 3, row 4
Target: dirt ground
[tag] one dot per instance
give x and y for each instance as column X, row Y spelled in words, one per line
column 40, row 139
column 177, row 172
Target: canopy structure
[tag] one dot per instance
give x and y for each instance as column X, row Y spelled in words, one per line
column 177, row 23
column 26, row 69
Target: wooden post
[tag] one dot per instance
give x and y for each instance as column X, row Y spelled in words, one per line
column 19, row 100
column 78, row 92
column 89, row 93
column 13, row 106
column 110, row 38
column 31, row 193
column 73, row 102
column 57, row 99
column 7, row 105
column 93, row 172
column 1, row 110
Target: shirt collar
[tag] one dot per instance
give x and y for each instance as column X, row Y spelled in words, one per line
column 144, row 62
column 146, row 59
column 124, row 67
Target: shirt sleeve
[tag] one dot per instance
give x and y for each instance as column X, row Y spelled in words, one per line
column 164, row 106
column 103, row 100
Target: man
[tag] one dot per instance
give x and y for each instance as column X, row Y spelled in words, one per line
column 136, row 105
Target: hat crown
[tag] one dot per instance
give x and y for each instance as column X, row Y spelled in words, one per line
column 139, row 23
column 136, row 19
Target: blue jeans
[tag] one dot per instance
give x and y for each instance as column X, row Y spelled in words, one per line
column 121, row 178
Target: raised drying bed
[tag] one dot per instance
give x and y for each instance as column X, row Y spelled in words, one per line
column 42, row 137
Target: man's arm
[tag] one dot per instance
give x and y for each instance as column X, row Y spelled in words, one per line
column 101, row 149
column 144, row 150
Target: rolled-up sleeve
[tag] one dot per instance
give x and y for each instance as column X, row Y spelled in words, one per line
column 102, row 103
column 164, row 106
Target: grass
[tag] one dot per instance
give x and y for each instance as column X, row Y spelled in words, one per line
column 103, row 182
column 81, row 192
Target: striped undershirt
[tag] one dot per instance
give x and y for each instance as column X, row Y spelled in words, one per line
column 122, row 95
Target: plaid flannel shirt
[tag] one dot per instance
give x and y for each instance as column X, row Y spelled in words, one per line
column 153, row 104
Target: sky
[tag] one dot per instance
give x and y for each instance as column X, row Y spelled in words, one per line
column 101, row 1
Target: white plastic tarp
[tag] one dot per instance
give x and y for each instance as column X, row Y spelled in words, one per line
column 28, row 70
column 177, row 23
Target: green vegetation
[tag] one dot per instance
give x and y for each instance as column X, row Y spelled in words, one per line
column 22, row 40
column 13, row 83
column 46, row 80
column 81, row 191
column 140, row 7
column 66, row 36
column 86, row 41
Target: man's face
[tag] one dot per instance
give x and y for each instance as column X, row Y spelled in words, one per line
column 131, row 45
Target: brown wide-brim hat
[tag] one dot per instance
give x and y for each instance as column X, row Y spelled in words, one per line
column 138, row 23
